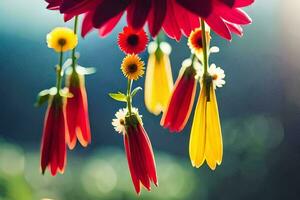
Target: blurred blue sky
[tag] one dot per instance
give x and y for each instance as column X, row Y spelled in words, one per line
column 259, row 105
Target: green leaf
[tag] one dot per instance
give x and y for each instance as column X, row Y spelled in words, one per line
column 134, row 92
column 42, row 98
column 118, row 96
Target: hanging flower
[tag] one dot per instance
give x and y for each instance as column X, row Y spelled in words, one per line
column 195, row 42
column 222, row 16
column 182, row 99
column 132, row 67
column 77, row 111
column 53, row 149
column 131, row 41
column 159, row 80
column 138, row 149
column 62, row 39
column 206, row 136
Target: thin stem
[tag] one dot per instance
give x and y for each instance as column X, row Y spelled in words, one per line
column 205, row 51
column 74, row 50
column 129, row 103
column 58, row 71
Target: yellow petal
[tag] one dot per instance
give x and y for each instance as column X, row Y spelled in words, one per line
column 217, row 132
column 158, row 83
column 214, row 146
column 198, row 132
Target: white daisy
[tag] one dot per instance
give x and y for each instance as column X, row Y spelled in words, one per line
column 217, row 75
column 119, row 121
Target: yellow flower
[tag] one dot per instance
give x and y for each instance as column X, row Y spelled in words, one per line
column 195, row 42
column 132, row 67
column 62, row 39
column 159, row 80
column 206, row 136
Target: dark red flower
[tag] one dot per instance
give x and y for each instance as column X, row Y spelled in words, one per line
column 77, row 111
column 139, row 154
column 181, row 102
column 131, row 41
column 53, row 149
column 223, row 16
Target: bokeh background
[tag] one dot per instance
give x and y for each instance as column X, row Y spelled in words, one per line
column 259, row 108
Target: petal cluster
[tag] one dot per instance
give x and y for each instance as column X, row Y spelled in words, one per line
column 53, row 148
column 77, row 111
column 223, row 16
column 139, row 154
column 159, row 79
column 206, row 136
column 181, row 102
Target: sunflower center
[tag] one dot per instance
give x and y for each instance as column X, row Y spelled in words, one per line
column 132, row 68
column 62, row 42
column 133, row 40
column 199, row 42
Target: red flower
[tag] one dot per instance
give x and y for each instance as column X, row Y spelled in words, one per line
column 223, row 16
column 181, row 102
column 139, row 154
column 131, row 41
column 53, row 149
column 77, row 111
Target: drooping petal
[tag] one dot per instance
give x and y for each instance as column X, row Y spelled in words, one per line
column 77, row 111
column 107, row 10
column 181, row 102
column 137, row 13
column 134, row 178
column 156, row 16
column 158, row 83
column 198, row 135
column 53, row 148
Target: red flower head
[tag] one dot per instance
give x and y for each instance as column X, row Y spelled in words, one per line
column 53, row 150
column 223, row 16
column 138, row 149
column 131, row 41
column 181, row 102
column 77, row 111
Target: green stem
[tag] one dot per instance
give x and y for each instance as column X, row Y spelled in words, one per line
column 129, row 98
column 58, row 71
column 74, row 50
column 205, row 50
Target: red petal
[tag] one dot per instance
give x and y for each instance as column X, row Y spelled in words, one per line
column 110, row 25
column 137, row 13
column 219, row 26
column 170, row 25
column 87, row 24
column 134, row 178
column 156, row 16
column 202, row 8
column 107, row 10
column 181, row 103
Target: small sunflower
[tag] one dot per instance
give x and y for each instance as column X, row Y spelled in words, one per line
column 131, row 41
column 195, row 41
column 62, row 39
column 132, row 67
